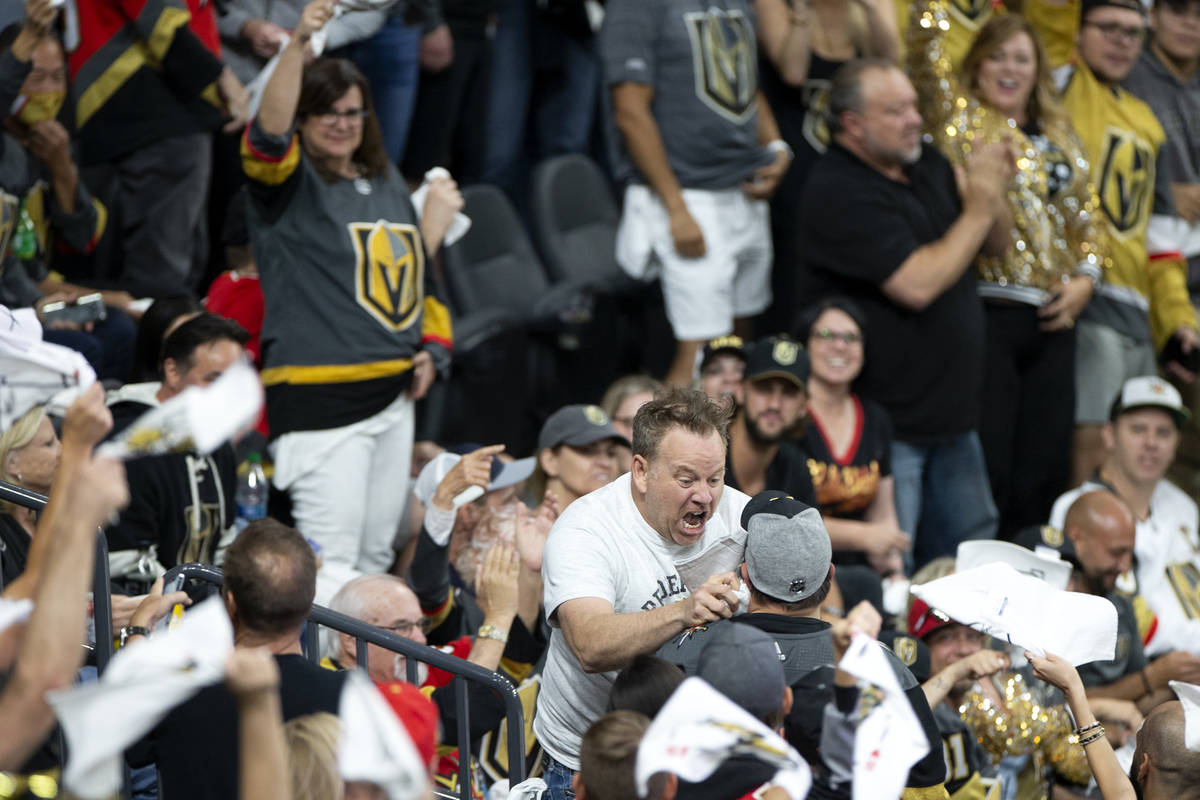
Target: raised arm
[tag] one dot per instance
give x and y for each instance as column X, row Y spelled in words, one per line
column 253, row 677
column 277, row 111
column 880, row 33
column 1113, row 783
column 87, row 491
column 783, row 35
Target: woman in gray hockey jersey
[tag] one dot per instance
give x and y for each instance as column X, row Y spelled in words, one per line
column 351, row 335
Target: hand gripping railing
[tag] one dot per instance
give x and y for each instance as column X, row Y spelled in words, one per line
column 413, row 652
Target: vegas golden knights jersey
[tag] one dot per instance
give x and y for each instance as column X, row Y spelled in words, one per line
column 1145, row 289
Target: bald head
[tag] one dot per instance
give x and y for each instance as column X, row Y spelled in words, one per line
column 1102, row 529
column 1163, row 767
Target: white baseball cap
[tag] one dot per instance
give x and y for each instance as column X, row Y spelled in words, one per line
column 1150, row 391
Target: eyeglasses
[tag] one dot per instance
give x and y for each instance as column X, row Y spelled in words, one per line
column 1115, row 32
column 405, row 627
column 350, row 115
column 846, row 337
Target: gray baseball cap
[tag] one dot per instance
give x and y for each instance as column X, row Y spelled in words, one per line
column 577, row 426
column 787, row 547
column 745, row 665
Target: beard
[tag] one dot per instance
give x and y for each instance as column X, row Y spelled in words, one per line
column 761, row 437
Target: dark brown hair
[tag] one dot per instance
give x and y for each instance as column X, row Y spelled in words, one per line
column 325, row 81
column 272, row 574
column 689, row 409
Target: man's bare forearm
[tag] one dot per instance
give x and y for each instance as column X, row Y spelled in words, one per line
column 933, row 268
column 606, row 642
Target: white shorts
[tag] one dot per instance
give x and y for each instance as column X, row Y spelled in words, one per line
column 733, row 277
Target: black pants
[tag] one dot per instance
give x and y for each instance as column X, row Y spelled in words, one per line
column 448, row 121
column 1028, row 414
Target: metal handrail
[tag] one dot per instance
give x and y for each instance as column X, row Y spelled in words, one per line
column 101, row 594
column 413, row 652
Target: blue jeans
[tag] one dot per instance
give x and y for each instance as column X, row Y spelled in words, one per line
column 942, row 495
column 557, row 776
column 533, row 57
column 391, row 61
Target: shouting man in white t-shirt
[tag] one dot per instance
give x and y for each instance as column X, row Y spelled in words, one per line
column 1141, row 438
column 633, row 564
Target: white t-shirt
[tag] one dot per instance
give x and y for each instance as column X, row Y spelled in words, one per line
column 1167, row 564
column 602, row 547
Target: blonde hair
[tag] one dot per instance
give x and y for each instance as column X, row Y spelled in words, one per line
column 1043, row 106
column 18, row 435
column 312, row 745
column 626, row 387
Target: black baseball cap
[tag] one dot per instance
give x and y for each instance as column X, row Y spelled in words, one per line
column 731, row 345
column 777, row 357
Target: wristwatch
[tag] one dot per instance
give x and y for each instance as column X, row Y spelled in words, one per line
column 492, row 632
column 133, row 630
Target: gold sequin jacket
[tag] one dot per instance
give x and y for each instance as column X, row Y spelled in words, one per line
column 1055, row 233
column 1027, row 725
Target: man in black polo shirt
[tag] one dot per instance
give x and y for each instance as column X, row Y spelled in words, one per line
column 883, row 223
column 773, row 401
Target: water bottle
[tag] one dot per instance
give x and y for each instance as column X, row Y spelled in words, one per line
column 24, row 240
column 251, row 495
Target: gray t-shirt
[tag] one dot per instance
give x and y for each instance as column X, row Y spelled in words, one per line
column 602, row 547
column 700, row 58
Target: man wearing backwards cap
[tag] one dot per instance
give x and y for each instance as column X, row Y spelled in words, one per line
column 1141, row 437
column 788, row 573
column 1142, row 303
column 772, row 401
column 633, row 564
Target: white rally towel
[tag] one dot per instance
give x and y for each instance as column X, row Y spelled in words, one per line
column 1027, row 612
column 375, row 746
column 140, row 687
column 317, row 42
column 14, row 611
column 889, row 739
column 977, row 552
column 699, row 728
column 200, row 419
column 33, row 372
column 461, row 223
column 1189, row 697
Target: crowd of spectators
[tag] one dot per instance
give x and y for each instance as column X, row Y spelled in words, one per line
column 929, row 268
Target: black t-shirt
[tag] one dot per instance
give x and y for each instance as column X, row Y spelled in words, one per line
column 800, row 114
column 858, row 226
column 14, row 549
column 788, row 472
column 846, row 483
column 196, row 745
